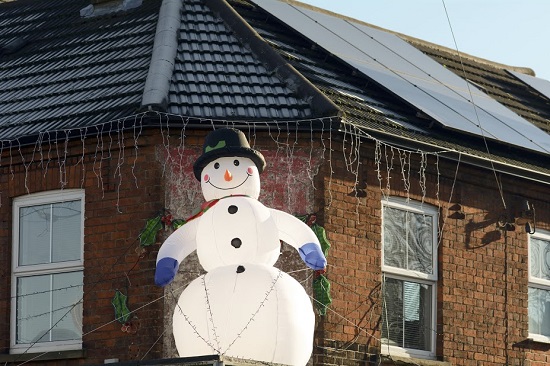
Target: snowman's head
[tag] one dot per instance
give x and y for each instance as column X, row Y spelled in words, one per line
column 228, row 165
column 226, row 176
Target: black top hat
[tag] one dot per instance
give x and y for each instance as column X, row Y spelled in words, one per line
column 226, row 142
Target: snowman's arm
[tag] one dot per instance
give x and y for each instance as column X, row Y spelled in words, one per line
column 296, row 233
column 174, row 250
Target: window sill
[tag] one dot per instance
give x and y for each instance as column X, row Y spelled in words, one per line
column 534, row 342
column 404, row 361
column 539, row 339
column 43, row 356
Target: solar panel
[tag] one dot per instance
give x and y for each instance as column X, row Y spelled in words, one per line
column 411, row 75
column 540, row 85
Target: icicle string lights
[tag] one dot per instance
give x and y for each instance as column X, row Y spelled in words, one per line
column 210, row 316
column 260, row 306
column 53, row 148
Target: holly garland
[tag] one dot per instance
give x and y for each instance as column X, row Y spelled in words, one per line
column 147, row 237
column 122, row 313
column 149, row 233
column 130, row 322
column 321, row 284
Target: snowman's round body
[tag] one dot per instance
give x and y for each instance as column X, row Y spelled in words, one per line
column 249, row 311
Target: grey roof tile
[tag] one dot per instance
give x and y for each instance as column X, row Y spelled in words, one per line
column 71, row 67
column 216, row 76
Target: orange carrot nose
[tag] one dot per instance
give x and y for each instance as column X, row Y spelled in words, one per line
column 227, row 176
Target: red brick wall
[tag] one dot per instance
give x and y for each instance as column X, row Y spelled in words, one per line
column 115, row 212
column 482, row 287
column 113, row 259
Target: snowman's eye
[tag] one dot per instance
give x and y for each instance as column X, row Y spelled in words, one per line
column 216, row 165
column 236, row 163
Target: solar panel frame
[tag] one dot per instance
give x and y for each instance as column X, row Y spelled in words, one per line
column 540, row 85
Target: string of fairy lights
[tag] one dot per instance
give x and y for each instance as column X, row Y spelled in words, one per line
column 51, row 149
column 110, row 142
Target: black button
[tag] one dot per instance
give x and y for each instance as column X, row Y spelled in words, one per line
column 232, row 209
column 240, row 269
column 236, row 243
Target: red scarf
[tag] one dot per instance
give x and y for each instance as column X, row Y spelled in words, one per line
column 206, row 205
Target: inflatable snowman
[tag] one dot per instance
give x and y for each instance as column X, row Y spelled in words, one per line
column 243, row 306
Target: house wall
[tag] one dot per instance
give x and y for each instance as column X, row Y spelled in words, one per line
column 482, row 283
column 483, row 270
column 122, row 183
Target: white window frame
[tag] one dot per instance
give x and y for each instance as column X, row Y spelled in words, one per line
column 18, row 271
column 536, row 282
column 413, row 276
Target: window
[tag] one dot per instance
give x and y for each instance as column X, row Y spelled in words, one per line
column 47, row 272
column 539, row 286
column 409, row 267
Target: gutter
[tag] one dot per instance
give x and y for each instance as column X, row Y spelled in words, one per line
column 165, row 46
column 321, row 105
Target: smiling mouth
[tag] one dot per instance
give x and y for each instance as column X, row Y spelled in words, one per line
column 225, row 189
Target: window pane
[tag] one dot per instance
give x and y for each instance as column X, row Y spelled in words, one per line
column 67, row 290
column 50, row 233
column 540, row 258
column 45, row 308
column 33, row 299
column 66, row 236
column 395, row 243
column 406, row 320
column 420, row 242
column 539, row 311
column 408, row 240
column 34, row 235
column 392, row 314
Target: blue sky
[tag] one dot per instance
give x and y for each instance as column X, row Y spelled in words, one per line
column 511, row 32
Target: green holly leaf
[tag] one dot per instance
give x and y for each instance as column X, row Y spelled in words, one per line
column 177, row 223
column 148, row 235
column 322, row 236
column 321, row 294
column 302, row 217
column 122, row 313
column 321, row 284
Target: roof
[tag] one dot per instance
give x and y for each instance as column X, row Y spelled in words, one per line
column 226, row 73
column 62, row 67
column 71, row 71
column 60, row 70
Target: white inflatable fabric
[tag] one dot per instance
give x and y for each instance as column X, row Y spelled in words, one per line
column 220, row 313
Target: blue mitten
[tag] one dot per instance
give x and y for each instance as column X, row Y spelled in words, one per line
column 166, row 271
column 313, row 256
